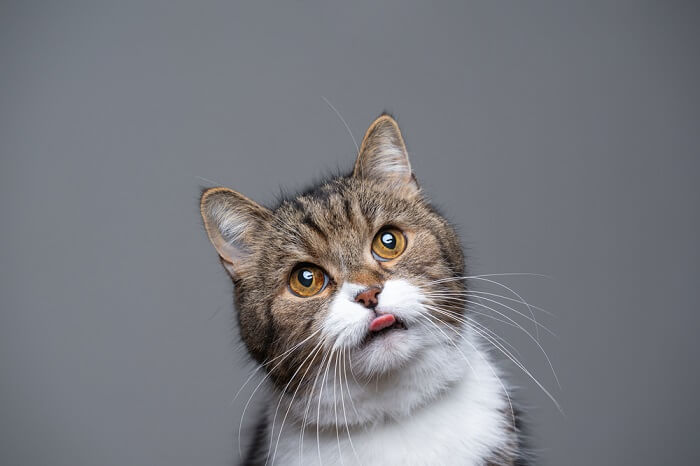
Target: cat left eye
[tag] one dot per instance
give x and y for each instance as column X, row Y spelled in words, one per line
column 307, row 280
column 388, row 244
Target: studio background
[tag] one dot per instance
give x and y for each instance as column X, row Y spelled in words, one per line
column 562, row 138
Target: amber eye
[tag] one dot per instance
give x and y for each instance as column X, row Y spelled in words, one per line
column 388, row 244
column 307, row 280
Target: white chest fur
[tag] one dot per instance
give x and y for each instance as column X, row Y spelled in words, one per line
column 461, row 424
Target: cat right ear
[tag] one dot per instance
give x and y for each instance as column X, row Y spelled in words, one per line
column 231, row 219
column 383, row 157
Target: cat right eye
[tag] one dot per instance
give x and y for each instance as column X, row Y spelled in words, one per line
column 307, row 280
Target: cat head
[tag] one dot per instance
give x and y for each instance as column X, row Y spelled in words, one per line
column 361, row 265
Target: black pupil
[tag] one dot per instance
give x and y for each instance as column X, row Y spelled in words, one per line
column 388, row 240
column 305, row 277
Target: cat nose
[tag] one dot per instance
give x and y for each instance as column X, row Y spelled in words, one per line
column 368, row 297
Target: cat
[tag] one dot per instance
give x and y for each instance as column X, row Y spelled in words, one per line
column 348, row 296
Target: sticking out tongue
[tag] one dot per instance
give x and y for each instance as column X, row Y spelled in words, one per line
column 382, row 322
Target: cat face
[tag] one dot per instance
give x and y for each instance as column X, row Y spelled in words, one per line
column 351, row 267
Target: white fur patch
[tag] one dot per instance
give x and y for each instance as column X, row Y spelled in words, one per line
column 419, row 396
column 427, row 418
column 347, row 322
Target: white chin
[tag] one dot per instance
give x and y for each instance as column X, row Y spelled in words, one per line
column 385, row 352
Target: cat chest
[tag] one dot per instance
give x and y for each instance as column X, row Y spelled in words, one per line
column 457, row 431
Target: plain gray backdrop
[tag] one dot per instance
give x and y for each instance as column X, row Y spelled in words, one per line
column 561, row 138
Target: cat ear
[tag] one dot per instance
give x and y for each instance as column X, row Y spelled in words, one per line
column 230, row 220
column 383, row 156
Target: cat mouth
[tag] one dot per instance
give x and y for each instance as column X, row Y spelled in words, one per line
column 382, row 325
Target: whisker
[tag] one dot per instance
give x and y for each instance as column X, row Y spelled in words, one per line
column 535, row 340
column 354, row 141
column 537, row 343
column 342, row 400
column 507, row 274
column 264, row 363
column 496, row 295
column 467, row 321
column 335, row 410
column 306, row 411
column 482, row 277
column 316, row 351
column 245, row 408
column 313, row 352
column 515, row 361
column 493, row 371
column 471, row 301
column 208, row 181
column 352, row 372
column 479, row 292
column 347, row 385
column 489, row 316
column 318, row 411
column 532, row 313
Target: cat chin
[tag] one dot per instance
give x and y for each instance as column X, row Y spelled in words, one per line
column 387, row 352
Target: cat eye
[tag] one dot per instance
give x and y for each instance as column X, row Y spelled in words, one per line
column 388, row 244
column 307, row 280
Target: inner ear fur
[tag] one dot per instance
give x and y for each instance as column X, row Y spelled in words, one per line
column 230, row 220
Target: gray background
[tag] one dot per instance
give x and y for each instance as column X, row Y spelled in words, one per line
column 561, row 139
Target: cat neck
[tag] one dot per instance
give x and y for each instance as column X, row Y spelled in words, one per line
column 354, row 401
column 451, row 395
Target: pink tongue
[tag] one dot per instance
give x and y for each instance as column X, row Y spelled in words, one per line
column 382, row 322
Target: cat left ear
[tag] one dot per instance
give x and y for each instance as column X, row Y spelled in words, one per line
column 232, row 221
column 383, row 156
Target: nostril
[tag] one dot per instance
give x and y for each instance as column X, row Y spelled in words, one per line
column 368, row 297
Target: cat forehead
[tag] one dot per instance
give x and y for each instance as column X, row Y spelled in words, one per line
column 343, row 205
column 319, row 219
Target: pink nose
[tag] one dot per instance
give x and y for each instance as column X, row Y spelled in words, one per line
column 368, row 297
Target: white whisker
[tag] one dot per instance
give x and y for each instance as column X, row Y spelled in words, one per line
column 479, row 298
column 312, row 353
column 306, row 411
column 245, row 408
column 318, row 411
column 500, row 381
column 335, row 410
column 354, row 141
column 466, row 320
column 515, row 361
column 342, row 400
